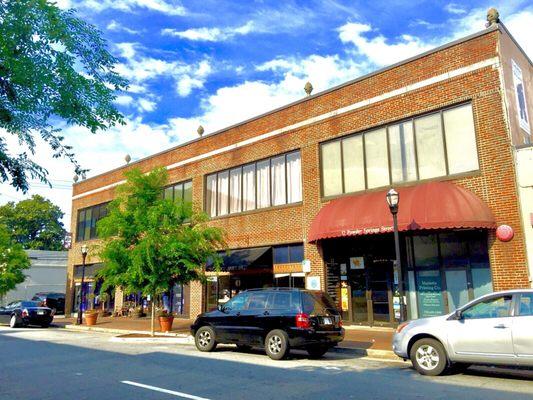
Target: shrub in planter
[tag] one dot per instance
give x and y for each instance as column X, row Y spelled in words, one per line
column 90, row 317
column 165, row 320
column 138, row 312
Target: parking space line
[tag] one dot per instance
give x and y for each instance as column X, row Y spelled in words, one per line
column 158, row 389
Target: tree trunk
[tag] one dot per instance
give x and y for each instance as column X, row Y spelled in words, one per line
column 153, row 316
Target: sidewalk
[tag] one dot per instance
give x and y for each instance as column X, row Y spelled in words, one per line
column 363, row 339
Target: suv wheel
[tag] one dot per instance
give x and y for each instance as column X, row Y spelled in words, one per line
column 13, row 321
column 429, row 357
column 205, row 339
column 316, row 351
column 277, row 344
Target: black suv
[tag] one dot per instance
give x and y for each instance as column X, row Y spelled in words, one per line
column 53, row 300
column 277, row 318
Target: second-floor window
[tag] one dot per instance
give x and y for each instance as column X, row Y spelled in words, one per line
column 267, row 183
column 179, row 192
column 87, row 219
column 430, row 146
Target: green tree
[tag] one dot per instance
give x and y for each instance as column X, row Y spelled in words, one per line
column 54, row 70
column 34, row 223
column 149, row 243
column 13, row 261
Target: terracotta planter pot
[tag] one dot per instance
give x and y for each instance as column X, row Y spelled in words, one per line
column 165, row 323
column 90, row 319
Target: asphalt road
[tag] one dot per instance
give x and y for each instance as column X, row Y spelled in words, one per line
column 57, row 364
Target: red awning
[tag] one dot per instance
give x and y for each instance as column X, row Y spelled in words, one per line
column 433, row 205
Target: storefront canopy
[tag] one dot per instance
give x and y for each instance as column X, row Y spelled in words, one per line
column 242, row 259
column 433, row 205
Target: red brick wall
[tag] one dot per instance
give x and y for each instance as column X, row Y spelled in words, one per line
column 494, row 183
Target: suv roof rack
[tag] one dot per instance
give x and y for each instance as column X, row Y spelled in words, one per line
column 275, row 288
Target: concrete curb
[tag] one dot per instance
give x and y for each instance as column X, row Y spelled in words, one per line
column 371, row 353
column 81, row 328
column 185, row 340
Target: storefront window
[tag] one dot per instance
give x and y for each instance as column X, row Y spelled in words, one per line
column 456, row 261
column 293, row 253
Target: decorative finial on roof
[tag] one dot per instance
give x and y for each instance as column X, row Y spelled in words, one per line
column 76, row 177
column 127, row 158
column 83, row 176
column 200, row 130
column 308, row 88
column 493, row 17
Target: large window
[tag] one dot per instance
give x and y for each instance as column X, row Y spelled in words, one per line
column 272, row 182
column 434, row 145
column 179, row 192
column 446, row 270
column 87, row 219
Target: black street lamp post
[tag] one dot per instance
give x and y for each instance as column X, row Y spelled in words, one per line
column 393, row 200
column 84, row 251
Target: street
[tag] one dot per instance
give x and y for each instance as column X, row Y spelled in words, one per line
column 59, row 364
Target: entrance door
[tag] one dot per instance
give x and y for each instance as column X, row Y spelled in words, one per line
column 380, row 292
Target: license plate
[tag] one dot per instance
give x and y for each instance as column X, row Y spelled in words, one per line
column 327, row 321
column 40, row 312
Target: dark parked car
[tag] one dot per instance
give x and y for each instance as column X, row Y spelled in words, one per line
column 24, row 313
column 53, row 300
column 279, row 319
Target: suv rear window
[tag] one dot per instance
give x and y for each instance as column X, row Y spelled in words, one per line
column 318, row 303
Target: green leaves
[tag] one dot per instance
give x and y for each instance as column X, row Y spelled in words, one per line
column 34, row 223
column 13, row 261
column 53, row 67
column 151, row 243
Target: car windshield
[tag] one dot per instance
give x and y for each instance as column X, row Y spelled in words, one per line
column 318, row 303
column 30, row 304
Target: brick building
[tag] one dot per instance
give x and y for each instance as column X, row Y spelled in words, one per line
column 300, row 191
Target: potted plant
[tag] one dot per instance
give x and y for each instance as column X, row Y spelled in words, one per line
column 90, row 317
column 165, row 320
column 138, row 312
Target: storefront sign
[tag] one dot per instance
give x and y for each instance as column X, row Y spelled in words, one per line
column 306, row 265
column 344, row 298
column 504, row 233
column 357, row 263
column 343, row 269
column 212, row 279
column 430, row 301
column 521, row 95
column 313, row 283
column 366, row 231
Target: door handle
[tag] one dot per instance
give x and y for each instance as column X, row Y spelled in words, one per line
column 500, row 326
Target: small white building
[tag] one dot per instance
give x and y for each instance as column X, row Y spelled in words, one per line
column 48, row 273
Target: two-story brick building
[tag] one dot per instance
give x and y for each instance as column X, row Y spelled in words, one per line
column 300, row 190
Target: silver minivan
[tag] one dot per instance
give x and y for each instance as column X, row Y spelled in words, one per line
column 494, row 329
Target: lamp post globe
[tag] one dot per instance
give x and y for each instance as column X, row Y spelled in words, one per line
column 393, row 200
column 84, row 251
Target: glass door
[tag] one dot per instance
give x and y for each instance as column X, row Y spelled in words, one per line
column 358, row 286
column 379, row 282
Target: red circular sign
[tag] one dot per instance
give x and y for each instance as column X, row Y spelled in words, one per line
column 505, row 233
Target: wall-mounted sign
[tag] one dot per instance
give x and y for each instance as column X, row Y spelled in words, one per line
column 344, row 270
column 212, row 278
column 344, row 298
column 430, row 303
column 357, row 263
column 306, row 265
column 520, row 93
column 504, row 233
column 313, row 283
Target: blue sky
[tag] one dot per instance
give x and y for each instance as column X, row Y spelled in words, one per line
column 215, row 62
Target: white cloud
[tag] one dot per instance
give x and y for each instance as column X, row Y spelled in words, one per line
column 140, row 69
column 378, row 49
column 124, row 100
column 169, row 7
column 115, row 26
column 454, row 8
column 146, row 105
column 210, row 34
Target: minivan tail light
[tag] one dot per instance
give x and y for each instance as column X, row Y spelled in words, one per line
column 303, row 321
